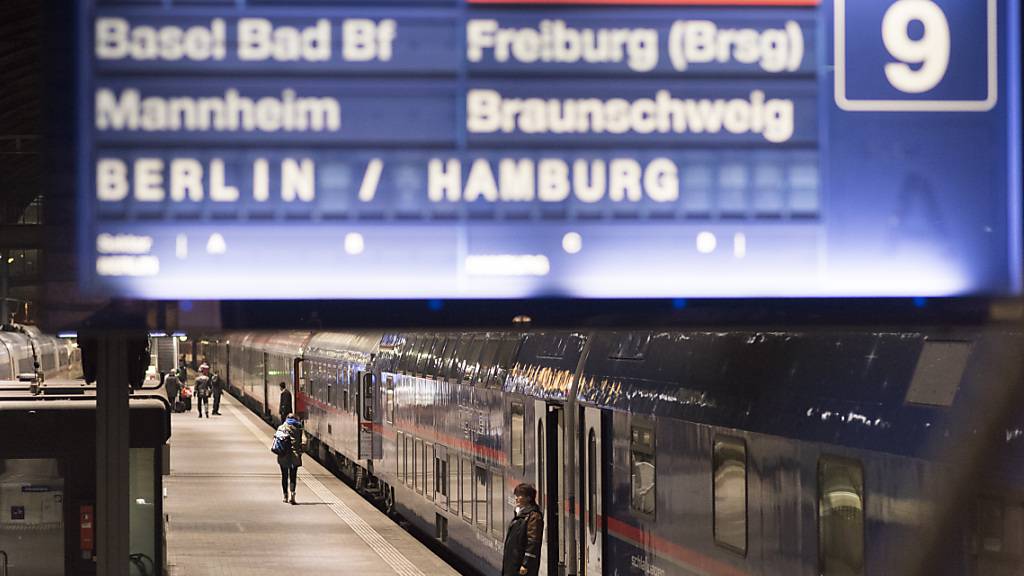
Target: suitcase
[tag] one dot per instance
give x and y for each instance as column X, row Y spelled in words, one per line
column 179, row 406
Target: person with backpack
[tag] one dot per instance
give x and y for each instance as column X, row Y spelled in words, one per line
column 203, row 391
column 288, row 447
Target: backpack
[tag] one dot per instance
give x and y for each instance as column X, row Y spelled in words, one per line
column 282, row 442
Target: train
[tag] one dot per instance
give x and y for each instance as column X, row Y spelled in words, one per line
column 25, row 351
column 835, row 451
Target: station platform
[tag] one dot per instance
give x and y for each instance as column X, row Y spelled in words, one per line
column 226, row 517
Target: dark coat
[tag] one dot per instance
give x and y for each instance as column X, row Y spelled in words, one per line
column 216, row 385
column 286, row 403
column 203, row 388
column 294, row 456
column 522, row 542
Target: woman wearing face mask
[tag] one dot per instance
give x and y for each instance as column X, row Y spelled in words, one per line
column 523, row 539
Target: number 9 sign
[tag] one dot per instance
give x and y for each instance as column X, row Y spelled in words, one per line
column 916, row 55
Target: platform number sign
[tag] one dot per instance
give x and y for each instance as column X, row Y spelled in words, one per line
column 916, row 55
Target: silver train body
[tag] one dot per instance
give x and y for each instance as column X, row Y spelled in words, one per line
column 838, row 452
column 21, row 347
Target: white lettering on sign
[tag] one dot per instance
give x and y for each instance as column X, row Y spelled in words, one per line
column 127, row 265
column 116, row 39
column 260, row 40
column 192, row 180
column 232, row 112
column 553, row 180
column 553, row 41
column 123, row 244
column 702, row 42
column 363, row 40
column 489, row 112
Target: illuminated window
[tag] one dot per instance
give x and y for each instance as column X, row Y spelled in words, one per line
column 642, row 475
column 518, row 436
column 840, row 517
column 730, row 493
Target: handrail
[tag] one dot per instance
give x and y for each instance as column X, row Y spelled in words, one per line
column 3, row 565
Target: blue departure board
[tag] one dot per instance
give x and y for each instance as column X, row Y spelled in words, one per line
column 423, row 149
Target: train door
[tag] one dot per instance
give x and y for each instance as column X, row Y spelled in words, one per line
column 370, row 444
column 551, row 475
column 299, row 389
column 266, row 389
column 592, row 464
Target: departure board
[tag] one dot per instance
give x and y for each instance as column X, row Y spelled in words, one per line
column 424, row 149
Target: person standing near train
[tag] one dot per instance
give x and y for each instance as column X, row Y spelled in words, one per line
column 217, row 387
column 523, row 539
column 171, row 388
column 203, row 390
column 289, row 435
column 286, row 402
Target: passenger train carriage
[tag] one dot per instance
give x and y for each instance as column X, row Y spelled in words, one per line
column 21, row 347
column 840, row 452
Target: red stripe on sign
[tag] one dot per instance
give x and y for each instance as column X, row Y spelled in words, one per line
column 660, row 2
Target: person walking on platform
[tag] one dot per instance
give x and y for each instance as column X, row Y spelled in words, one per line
column 203, row 390
column 288, row 447
column 522, row 541
column 171, row 388
column 286, row 402
column 217, row 391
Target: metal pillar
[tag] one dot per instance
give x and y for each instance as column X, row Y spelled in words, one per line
column 112, row 423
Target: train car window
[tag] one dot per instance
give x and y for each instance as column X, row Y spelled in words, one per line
column 408, row 354
column 440, row 476
column 429, row 479
column 399, row 446
column 840, row 517
column 445, row 367
column 467, row 490
column 553, row 347
column 518, row 443
column 503, row 363
column 630, row 346
column 998, row 537
column 540, row 465
column 592, row 484
column 423, row 355
column 455, row 485
column 480, row 495
column 729, row 484
column 488, row 353
column 642, row 471
column 471, row 360
column 497, row 503
column 406, row 447
column 940, row 367
column 417, row 465
column 389, row 411
column 458, row 367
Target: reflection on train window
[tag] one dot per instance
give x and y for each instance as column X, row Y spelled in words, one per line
column 840, row 517
column 488, row 355
column 497, row 503
column 399, row 446
column 518, row 436
column 443, row 371
column 592, row 484
column 429, row 479
column 630, row 346
column 389, row 411
column 540, row 465
column 471, row 361
column 503, row 362
column 417, row 465
column 642, row 472
column 467, row 490
column 480, row 487
column 455, row 484
column 730, row 493
column 999, row 533
column 406, row 444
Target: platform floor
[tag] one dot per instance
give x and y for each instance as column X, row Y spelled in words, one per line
column 226, row 517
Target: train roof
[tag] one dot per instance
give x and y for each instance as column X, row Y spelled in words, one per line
column 337, row 344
